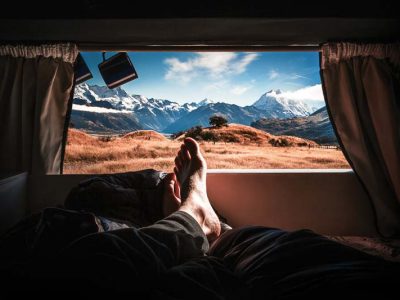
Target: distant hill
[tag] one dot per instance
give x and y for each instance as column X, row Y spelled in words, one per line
column 316, row 127
column 237, row 133
column 78, row 137
column 201, row 116
column 145, row 135
column 96, row 122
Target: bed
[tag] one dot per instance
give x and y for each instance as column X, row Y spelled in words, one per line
column 252, row 262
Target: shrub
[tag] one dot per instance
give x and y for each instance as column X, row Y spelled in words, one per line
column 230, row 138
column 280, row 142
column 209, row 136
column 177, row 134
column 194, row 132
column 106, row 138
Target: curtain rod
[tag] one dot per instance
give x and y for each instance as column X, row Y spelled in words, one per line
column 196, row 48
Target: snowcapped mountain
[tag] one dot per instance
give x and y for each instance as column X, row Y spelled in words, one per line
column 276, row 105
column 168, row 116
column 200, row 116
column 101, row 96
column 270, row 105
column 205, row 101
column 150, row 113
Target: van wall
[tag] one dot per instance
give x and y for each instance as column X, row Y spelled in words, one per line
column 13, row 199
column 328, row 202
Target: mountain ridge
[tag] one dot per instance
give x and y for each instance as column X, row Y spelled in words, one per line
column 164, row 115
column 316, row 127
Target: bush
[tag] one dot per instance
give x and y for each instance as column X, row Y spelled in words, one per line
column 209, row 136
column 195, row 132
column 106, row 138
column 218, row 121
column 302, row 144
column 177, row 134
column 280, row 142
column 231, row 138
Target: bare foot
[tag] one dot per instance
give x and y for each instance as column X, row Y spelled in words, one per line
column 191, row 171
column 171, row 196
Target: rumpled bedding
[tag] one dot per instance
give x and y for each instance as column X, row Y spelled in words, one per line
column 388, row 249
column 134, row 197
column 244, row 263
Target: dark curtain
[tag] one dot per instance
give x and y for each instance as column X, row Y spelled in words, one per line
column 362, row 90
column 36, row 83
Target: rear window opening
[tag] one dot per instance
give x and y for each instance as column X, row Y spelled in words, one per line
column 248, row 110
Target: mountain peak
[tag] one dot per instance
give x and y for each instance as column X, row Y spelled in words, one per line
column 274, row 92
column 276, row 105
column 205, row 101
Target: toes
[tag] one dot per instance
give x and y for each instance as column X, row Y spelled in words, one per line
column 171, row 201
column 182, row 156
column 169, row 183
column 177, row 188
column 186, row 154
column 176, row 172
column 192, row 146
column 170, row 187
column 178, row 162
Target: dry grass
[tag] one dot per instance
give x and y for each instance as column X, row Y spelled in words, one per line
column 145, row 135
column 87, row 154
column 246, row 135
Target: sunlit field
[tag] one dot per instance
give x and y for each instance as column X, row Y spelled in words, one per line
column 88, row 154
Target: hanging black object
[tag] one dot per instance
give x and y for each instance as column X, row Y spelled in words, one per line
column 117, row 70
column 82, row 72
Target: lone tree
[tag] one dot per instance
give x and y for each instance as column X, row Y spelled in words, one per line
column 218, row 121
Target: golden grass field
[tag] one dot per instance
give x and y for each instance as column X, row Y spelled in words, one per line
column 87, row 154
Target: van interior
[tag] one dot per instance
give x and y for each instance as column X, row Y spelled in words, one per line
column 357, row 208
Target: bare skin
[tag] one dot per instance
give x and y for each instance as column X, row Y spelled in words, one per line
column 171, row 197
column 191, row 170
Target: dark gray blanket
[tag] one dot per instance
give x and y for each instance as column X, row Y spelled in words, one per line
column 133, row 197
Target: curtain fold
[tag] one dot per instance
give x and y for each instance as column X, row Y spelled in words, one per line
column 36, row 83
column 362, row 91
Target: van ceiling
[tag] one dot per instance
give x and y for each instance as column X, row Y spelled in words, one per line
column 95, row 24
column 199, row 9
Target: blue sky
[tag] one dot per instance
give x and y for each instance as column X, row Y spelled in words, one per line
column 233, row 77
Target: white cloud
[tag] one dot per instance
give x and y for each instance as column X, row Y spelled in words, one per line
column 297, row 76
column 240, row 89
column 98, row 109
column 217, row 85
column 183, row 72
column 313, row 92
column 273, row 74
column 213, row 64
column 242, row 64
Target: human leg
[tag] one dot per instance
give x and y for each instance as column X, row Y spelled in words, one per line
column 191, row 171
